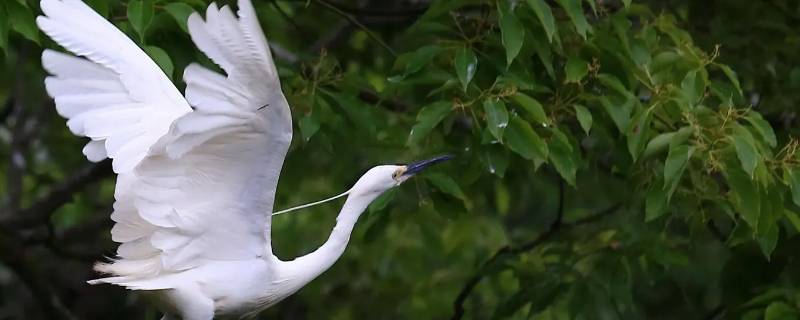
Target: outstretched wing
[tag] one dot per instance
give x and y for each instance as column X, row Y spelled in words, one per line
column 205, row 189
column 118, row 97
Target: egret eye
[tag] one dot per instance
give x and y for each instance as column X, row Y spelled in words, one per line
column 396, row 175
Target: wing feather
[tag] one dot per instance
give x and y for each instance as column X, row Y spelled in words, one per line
column 118, row 97
column 205, row 191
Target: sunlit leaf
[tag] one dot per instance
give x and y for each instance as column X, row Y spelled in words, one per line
column 744, row 194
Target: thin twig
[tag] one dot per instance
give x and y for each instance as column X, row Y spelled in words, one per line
column 62, row 193
column 355, row 22
column 508, row 250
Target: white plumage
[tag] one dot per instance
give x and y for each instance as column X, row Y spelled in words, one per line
column 195, row 185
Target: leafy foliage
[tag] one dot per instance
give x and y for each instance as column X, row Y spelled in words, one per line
column 615, row 159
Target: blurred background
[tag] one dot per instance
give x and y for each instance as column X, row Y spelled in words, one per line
column 614, row 159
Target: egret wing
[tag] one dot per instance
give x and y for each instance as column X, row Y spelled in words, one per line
column 118, row 97
column 206, row 191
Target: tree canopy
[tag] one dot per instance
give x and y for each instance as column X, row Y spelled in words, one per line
column 614, row 159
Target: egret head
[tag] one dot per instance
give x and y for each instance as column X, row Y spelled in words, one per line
column 382, row 178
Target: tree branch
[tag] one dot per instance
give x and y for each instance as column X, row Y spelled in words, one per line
column 62, row 193
column 508, row 251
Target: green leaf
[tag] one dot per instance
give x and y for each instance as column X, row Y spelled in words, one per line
column 466, row 64
column 745, row 195
column 745, row 149
column 161, row 58
column 637, row 131
column 660, row 142
column 415, row 61
column 4, row 28
column 626, row 3
column 584, row 118
column 100, row 6
column 768, row 238
column 427, row 119
column 620, row 112
column 731, row 76
column 674, row 166
column 496, row 117
column 180, row 12
column 793, row 218
column 520, row 138
column 792, row 178
column 613, row 83
column 763, row 128
column 693, row 87
column 574, row 10
column 545, row 16
column 309, row 125
column 655, row 202
column 532, row 107
column 562, row 156
column 140, row 15
column 512, row 31
column 22, row 21
column 446, row 184
column 575, row 70
column 779, row 310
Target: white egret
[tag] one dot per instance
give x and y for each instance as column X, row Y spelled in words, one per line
column 196, row 175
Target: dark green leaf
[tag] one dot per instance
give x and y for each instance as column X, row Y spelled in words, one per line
column 745, row 195
column 562, row 156
column 575, row 70
column 532, row 107
column 731, row 76
column 745, row 149
column 140, row 15
column 655, row 202
column 779, row 310
column 446, row 184
column 660, row 142
column 4, row 28
column 416, row 60
column 427, row 119
column 309, row 125
column 619, row 111
column 693, row 87
column 161, row 58
column 763, row 128
column 674, row 166
column 521, row 139
column 637, row 132
column 792, row 178
column 545, row 16
column 574, row 10
column 512, row 31
column 466, row 64
column 21, row 20
column 180, row 12
column 584, row 118
column 496, row 117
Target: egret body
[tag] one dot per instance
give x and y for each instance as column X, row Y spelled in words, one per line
column 197, row 173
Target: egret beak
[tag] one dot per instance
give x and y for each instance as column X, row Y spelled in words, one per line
column 416, row 167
